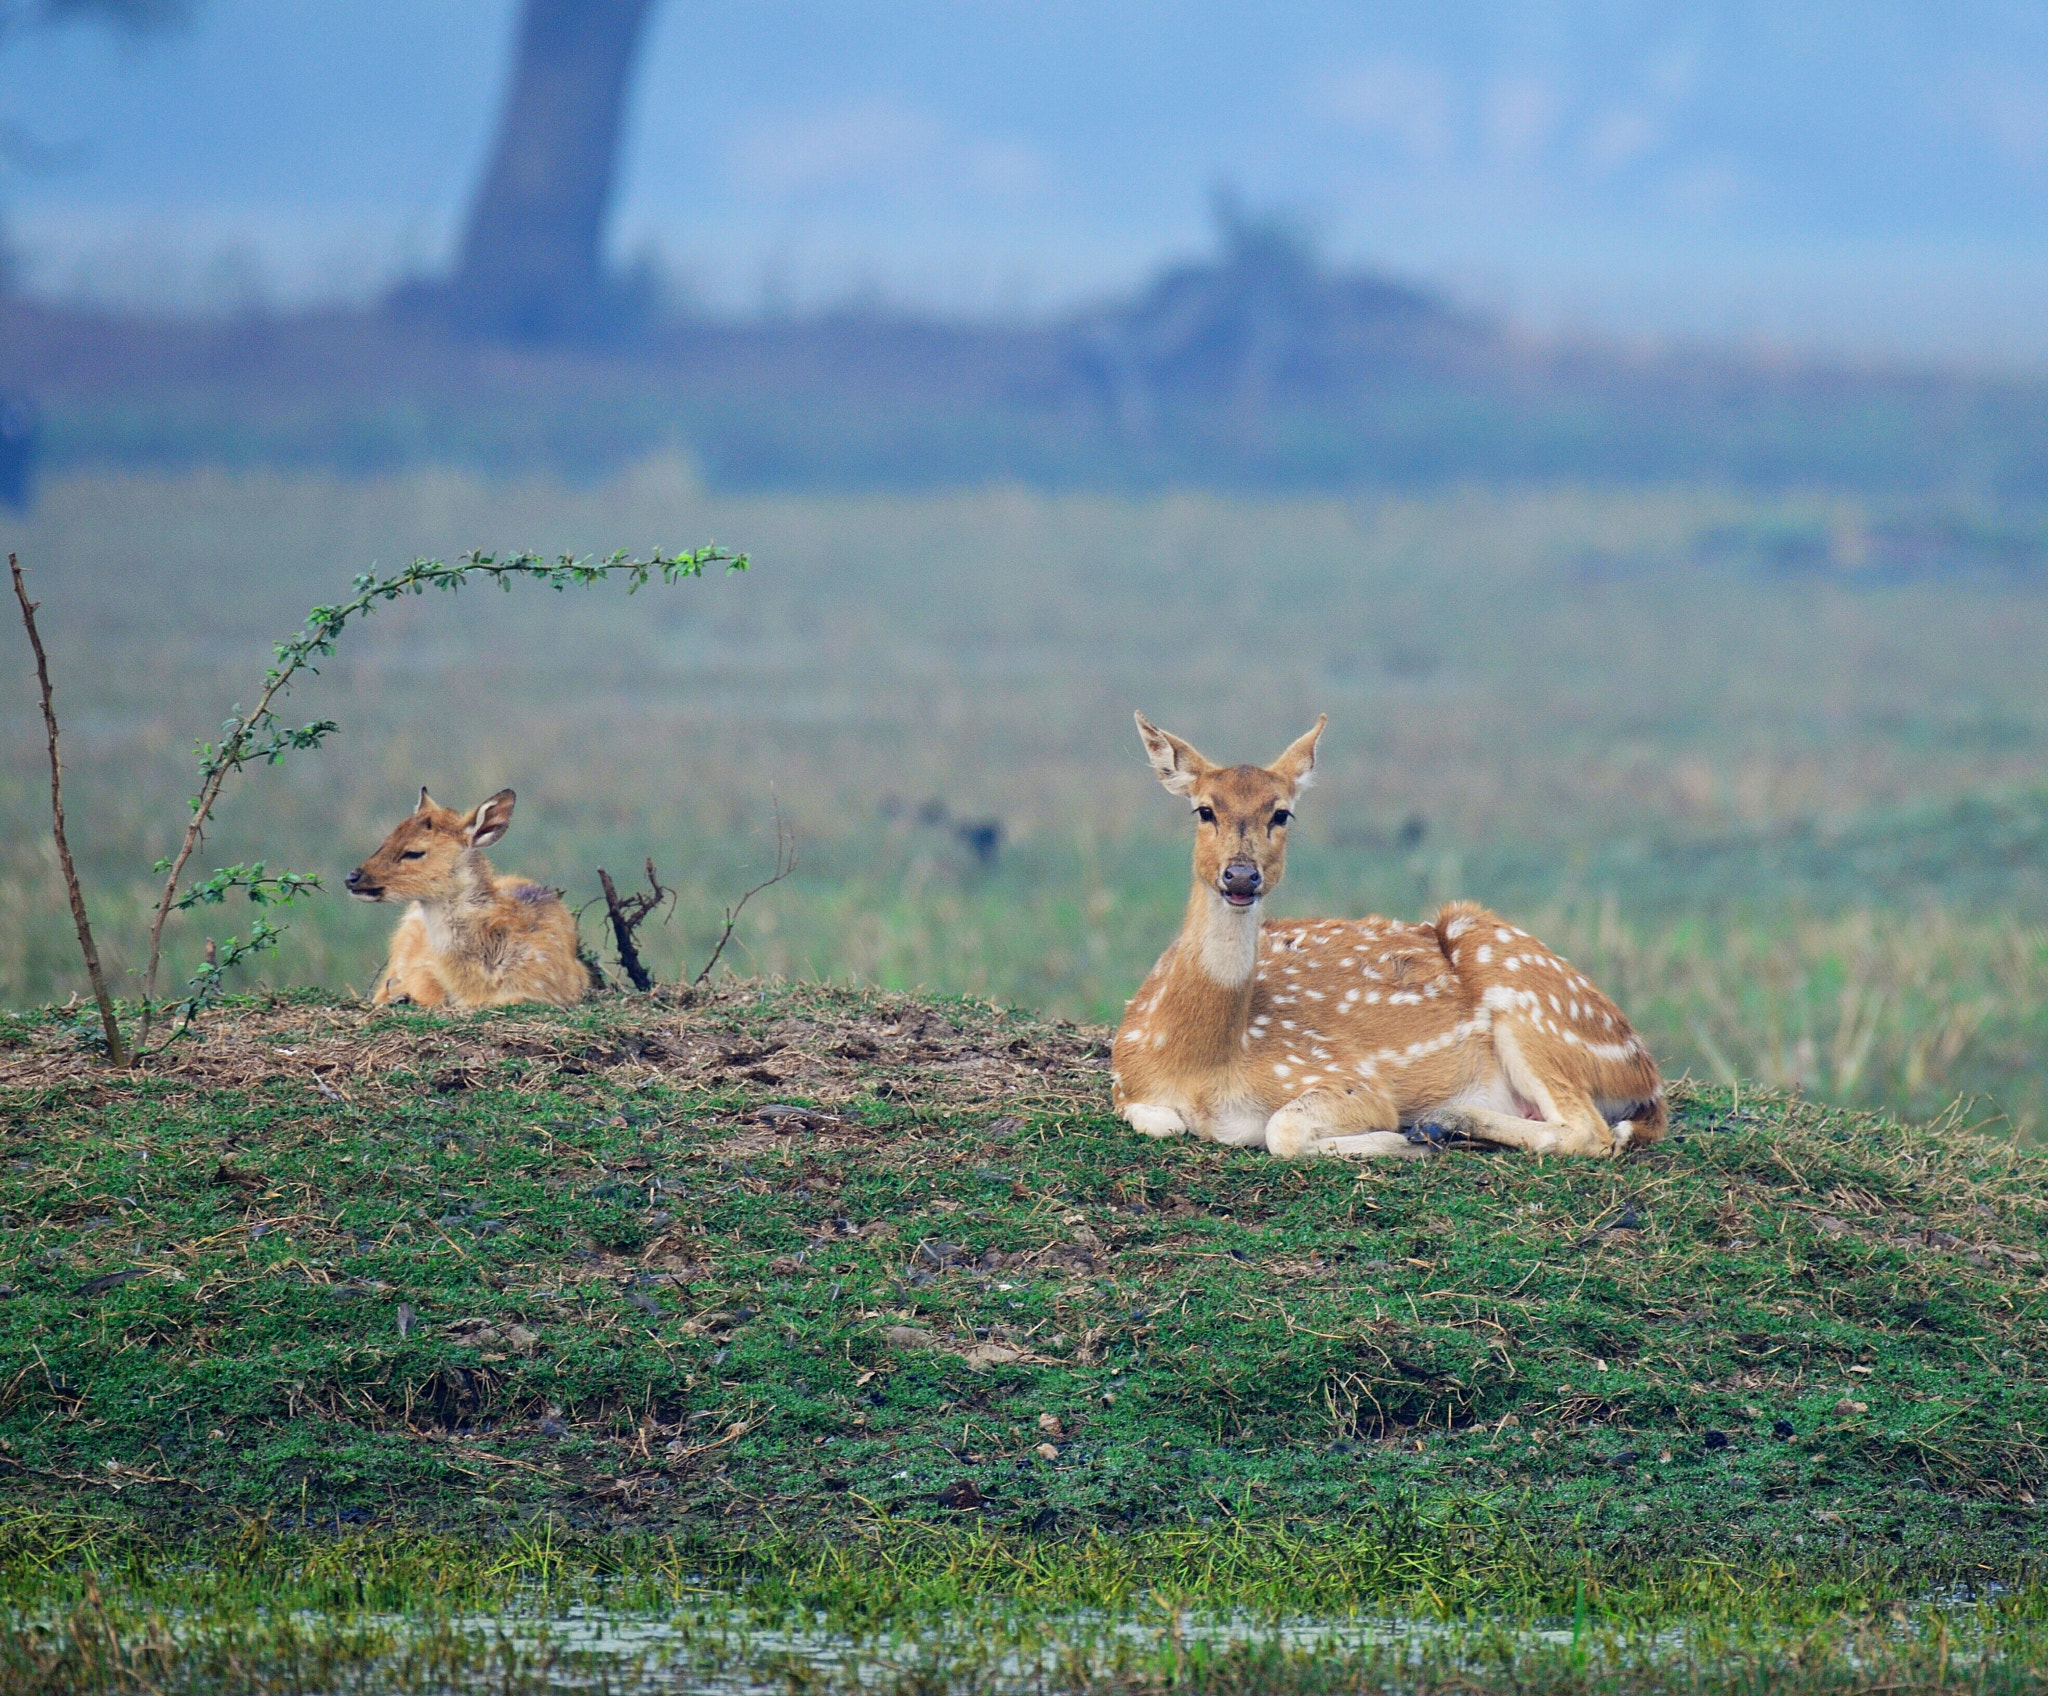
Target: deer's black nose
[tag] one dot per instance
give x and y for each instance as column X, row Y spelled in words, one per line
column 1242, row 881
column 354, row 879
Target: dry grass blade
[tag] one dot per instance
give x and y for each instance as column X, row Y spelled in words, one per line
column 785, row 863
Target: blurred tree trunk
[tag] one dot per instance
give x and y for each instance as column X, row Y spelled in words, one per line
column 532, row 266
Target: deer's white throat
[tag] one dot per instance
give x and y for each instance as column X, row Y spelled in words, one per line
column 1229, row 942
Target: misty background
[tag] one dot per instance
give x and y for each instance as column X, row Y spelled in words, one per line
column 1629, row 423
column 1860, row 176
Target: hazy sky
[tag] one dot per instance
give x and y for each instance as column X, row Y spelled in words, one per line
column 1863, row 174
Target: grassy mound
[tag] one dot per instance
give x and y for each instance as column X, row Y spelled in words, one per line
column 804, row 1269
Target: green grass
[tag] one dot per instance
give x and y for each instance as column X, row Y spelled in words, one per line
column 1757, row 1387
column 1224, row 1339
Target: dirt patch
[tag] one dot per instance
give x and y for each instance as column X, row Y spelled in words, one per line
column 818, row 1048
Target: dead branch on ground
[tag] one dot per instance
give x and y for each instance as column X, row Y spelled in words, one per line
column 627, row 914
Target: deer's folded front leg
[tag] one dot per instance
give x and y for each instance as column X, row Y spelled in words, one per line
column 1358, row 1124
column 409, row 974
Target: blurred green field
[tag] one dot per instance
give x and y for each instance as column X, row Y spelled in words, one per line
column 1795, row 816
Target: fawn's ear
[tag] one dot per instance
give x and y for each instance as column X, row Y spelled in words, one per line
column 1296, row 768
column 426, row 803
column 490, row 821
column 1179, row 766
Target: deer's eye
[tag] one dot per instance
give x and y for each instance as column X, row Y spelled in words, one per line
column 1280, row 816
column 414, row 854
column 1206, row 814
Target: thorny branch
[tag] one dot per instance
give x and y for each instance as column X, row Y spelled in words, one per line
column 115, row 1052
column 785, row 863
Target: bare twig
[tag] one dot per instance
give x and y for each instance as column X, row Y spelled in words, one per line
column 785, row 863
column 116, row 1050
column 628, row 914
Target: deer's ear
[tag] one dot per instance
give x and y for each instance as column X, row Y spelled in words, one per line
column 426, row 802
column 1296, row 768
column 490, row 821
column 1179, row 766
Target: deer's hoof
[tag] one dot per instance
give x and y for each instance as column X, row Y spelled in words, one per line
column 1154, row 1121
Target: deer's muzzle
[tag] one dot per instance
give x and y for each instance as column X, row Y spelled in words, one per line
column 1241, row 883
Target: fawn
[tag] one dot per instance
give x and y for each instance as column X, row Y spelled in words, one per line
column 1359, row 1036
column 470, row 938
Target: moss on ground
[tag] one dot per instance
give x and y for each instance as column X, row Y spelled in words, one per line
column 796, row 1267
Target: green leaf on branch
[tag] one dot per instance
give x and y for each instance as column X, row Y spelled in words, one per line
column 206, row 985
column 259, row 735
column 261, row 887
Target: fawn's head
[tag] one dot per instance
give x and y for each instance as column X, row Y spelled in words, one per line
column 1241, row 812
column 419, row 859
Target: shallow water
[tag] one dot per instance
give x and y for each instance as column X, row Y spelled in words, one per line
column 719, row 1650
column 721, row 1653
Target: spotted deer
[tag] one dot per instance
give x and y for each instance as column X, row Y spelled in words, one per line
column 470, row 938
column 1359, row 1036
